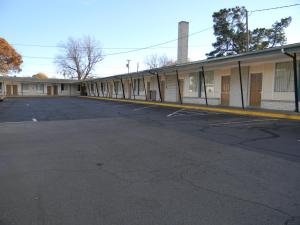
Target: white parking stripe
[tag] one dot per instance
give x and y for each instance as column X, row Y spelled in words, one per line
column 146, row 107
column 174, row 113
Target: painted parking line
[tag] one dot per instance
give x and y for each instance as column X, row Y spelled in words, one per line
column 184, row 112
column 146, row 107
column 5, row 124
column 174, row 113
column 243, row 122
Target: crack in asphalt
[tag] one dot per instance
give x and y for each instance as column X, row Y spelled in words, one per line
column 198, row 187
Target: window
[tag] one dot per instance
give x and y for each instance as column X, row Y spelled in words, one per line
column 136, row 86
column 119, row 86
column 78, row 87
column 284, row 77
column 25, row 87
column 193, row 83
column 116, row 87
column 209, row 82
column 39, row 87
column 0, row 87
column 63, row 87
column 92, row 87
column 141, row 85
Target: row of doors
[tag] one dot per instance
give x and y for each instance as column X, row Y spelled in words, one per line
column 54, row 89
column 12, row 90
column 255, row 89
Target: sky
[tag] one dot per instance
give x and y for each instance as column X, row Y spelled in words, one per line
column 121, row 26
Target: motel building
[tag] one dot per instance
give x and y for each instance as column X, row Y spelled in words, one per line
column 260, row 79
column 28, row 86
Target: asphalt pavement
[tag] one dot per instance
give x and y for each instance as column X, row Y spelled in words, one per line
column 73, row 161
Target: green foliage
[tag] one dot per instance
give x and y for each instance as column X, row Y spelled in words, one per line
column 231, row 34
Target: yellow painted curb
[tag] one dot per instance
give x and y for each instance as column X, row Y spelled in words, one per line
column 207, row 108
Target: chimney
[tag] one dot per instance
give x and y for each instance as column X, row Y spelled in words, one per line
column 183, row 42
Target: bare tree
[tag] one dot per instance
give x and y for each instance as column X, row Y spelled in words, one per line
column 155, row 61
column 79, row 57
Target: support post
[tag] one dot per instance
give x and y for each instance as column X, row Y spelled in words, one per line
column 204, row 83
column 145, row 88
column 158, row 83
column 132, row 88
column 241, row 84
column 178, row 84
column 296, row 83
column 122, row 88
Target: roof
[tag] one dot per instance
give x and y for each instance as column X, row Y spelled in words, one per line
column 36, row 80
column 247, row 57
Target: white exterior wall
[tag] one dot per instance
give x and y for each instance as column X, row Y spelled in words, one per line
column 171, row 88
column 269, row 98
column 235, row 98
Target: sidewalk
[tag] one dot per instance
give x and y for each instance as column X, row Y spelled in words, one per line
column 232, row 110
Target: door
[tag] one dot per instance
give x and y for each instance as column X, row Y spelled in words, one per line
column 162, row 89
column 148, row 90
column 255, row 89
column 55, row 90
column 15, row 90
column 49, row 90
column 129, row 89
column 225, row 90
column 8, row 90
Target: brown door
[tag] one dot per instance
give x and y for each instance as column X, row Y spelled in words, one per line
column 129, row 89
column 49, row 90
column 255, row 89
column 8, row 90
column 15, row 90
column 55, row 90
column 162, row 89
column 225, row 90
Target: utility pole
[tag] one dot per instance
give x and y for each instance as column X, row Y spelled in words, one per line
column 247, row 31
column 137, row 67
column 127, row 65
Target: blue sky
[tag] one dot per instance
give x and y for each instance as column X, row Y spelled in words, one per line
column 122, row 24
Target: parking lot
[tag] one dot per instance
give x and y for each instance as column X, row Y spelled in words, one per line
column 78, row 161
